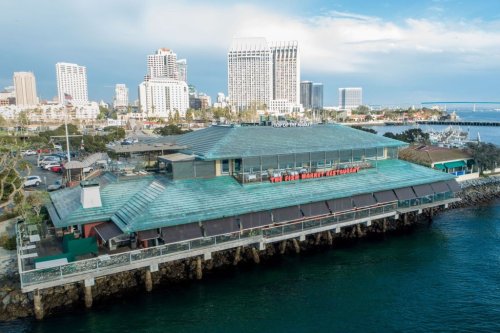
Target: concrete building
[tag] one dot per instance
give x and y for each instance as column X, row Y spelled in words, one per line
column 121, row 97
column 72, row 80
column 282, row 107
column 162, row 64
column 160, row 97
column 249, row 63
column 286, row 71
column 306, row 94
column 182, row 70
column 52, row 112
column 25, row 89
column 317, row 96
column 8, row 96
column 350, row 98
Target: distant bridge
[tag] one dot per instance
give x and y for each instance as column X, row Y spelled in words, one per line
column 457, row 102
column 459, row 122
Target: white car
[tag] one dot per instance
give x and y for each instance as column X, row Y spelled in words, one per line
column 49, row 159
column 88, row 169
column 57, row 146
column 49, row 165
column 29, row 152
column 32, row 181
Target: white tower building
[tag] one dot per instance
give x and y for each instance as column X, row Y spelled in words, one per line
column 249, row 73
column 350, row 98
column 121, row 96
column 25, row 88
column 286, row 71
column 162, row 96
column 162, row 64
column 72, row 80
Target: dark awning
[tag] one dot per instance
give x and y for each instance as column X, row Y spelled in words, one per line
column 255, row 220
column 440, row 187
column 286, row 214
column 340, row 205
column 385, row 196
column 453, row 185
column 423, row 190
column 107, row 231
column 405, row 193
column 181, row 232
column 364, row 200
column 315, row 209
column 221, row 226
column 145, row 235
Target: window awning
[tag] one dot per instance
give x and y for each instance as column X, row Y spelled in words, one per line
column 385, row 196
column 364, row 200
column 405, row 193
column 439, row 166
column 107, row 231
column 440, row 187
column 453, row 185
column 456, row 164
column 423, row 190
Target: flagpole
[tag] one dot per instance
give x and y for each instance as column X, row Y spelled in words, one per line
column 66, row 128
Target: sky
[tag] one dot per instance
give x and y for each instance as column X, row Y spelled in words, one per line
column 400, row 52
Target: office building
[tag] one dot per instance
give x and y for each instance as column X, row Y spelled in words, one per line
column 121, row 97
column 182, row 70
column 350, row 98
column 306, row 94
column 72, row 80
column 162, row 64
column 317, row 96
column 25, row 89
column 286, row 71
column 161, row 97
column 249, row 73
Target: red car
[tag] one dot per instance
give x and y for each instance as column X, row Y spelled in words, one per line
column 57, row 168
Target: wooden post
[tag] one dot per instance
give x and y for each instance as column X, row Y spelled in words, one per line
column 384, row 225
column 148, row 280
column 296, row 245
column 237, row 256
column 318, row 238
column 37, row 301
column 283, row 247
column 88, row 297
column 199, row 270
column 255, row 255
column 405, row 218
column 329, row 237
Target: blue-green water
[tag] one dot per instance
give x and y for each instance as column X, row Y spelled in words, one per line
column 439, row 278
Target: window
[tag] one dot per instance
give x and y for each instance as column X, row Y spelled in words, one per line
column 225, row 166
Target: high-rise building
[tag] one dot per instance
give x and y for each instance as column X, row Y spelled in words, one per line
column 317, row 96
column 306, row 94
column 249, row 70
column 121, row 97
column 182, row 70
column 162, row 64
column 350, row 98
column 286, row 71
column 72, row 80
column 25, row 88
column 162, row 96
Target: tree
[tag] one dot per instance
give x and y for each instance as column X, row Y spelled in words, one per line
column 486, row 155
column 362, row 109
column 11, row 180
column 169, row 130
column 369, row 130
column 413, row 135
column 189, row 116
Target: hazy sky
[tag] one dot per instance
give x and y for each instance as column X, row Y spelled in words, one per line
column 397, row 51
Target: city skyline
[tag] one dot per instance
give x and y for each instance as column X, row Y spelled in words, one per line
column 399, row 53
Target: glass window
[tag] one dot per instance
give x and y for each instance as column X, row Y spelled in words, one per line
column 225, row 166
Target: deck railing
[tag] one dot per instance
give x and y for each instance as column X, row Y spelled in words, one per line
column 106, row 262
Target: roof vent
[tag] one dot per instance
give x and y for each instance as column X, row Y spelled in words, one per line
column 90, row 196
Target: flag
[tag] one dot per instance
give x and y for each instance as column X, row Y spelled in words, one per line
column 67, row 97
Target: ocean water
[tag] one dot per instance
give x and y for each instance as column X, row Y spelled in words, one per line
column 487, row 134
column 444, row 277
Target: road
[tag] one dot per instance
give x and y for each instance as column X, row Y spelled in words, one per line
column 48, row 177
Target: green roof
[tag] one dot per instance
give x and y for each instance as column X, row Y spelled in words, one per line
column 456, row 164
column 193, row 200
column 218, row 142
column 439, row 166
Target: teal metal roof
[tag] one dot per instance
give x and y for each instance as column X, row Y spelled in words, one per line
column 194, row 200
column 218, row 142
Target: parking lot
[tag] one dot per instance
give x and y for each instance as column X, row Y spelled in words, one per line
column 48, row 177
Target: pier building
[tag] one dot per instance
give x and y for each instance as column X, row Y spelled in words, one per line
column 228, row 187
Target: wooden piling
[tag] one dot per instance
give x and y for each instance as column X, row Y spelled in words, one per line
column 255, row 255
column 283, row 247
column 237, row 256
column 296, row 245
column 199, row 270
column 148, row 280
column 318, row 238
column 329, row 237
column 38, row 306
column 88, row 296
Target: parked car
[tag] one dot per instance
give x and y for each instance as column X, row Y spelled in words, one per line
column 58, row 184
column 56, row 168
column 32, row 181
column 57, row 146
column 49, row 159
column 88, row 169
column 28, row 152
column 49, row 165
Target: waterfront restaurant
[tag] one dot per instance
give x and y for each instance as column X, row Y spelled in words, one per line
column 229, row 182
